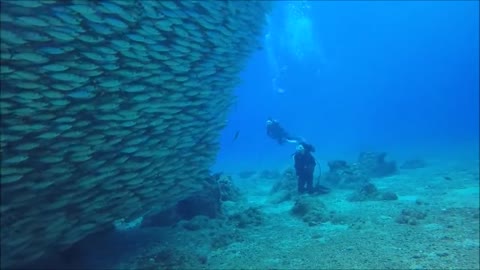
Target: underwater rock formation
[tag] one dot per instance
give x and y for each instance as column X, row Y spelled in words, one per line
column 207, row 202
column 196, row 223
column 369, row 165
column 285, row 188
column 252, row 216
column 374, row 164
column 311, row 210
column 343, row 175
column 410, row 216
column 111, row 109
column 369, row 192
column 226, row 189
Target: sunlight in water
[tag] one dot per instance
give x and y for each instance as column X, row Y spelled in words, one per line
column 299, row 39
column 290, row 42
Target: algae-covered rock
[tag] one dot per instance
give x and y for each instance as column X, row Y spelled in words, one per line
column 374, row 165
column 369, row 192
column 217, row 191
column 285, row 188
column 410, row 216
column 311, row 210
column 252, row 216
column 344, row 175
column 227, row 189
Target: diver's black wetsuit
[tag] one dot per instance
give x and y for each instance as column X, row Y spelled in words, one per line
column 304, row 167
column 276, row 132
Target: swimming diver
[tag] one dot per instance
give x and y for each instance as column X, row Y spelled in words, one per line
column 278, row 133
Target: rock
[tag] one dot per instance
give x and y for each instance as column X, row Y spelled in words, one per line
column 217, row 190
column 389, row 196
column 198, row 204
column 410, row 216
column 336, row 165
column 311, row 210
column 163, row 218
column 369, row 189
column 228, row 191
column 374, row 165
column 369, row 192
column 343, row 175
column 285, row 188
column 420, row 201
column 229, row 208
column 196, row 223
column 250, row 217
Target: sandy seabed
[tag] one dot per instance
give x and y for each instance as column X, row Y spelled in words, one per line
column 368, row 238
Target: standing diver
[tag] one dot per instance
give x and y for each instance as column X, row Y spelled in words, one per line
column 304, row 168
column 278, row 133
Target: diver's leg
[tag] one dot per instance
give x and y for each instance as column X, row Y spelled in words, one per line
column 301, row 184
column 292, row 141
column 309, row 182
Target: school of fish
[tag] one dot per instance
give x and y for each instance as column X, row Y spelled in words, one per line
column 111, row 109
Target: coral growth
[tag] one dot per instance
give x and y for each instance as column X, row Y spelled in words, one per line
column 410, row 216
column 343, row 175
column 374, row 165
column 369, row 192
column 311, row 210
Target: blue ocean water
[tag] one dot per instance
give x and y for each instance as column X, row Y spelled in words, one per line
column 351, row 76
column 394, row 76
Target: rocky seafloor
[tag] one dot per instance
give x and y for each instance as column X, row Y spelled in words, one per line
column 431, row 223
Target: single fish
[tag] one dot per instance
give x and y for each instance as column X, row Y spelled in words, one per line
column 236, row 135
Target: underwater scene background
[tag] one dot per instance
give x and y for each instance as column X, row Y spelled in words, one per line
column 400, row 77
column 239, row 134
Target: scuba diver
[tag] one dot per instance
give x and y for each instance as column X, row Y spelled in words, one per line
column 278, row 133
column 304, row 167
